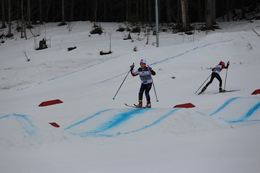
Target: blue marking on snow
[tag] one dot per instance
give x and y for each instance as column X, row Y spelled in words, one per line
column 247, row 115
column 114, row 122
column 156, row 122
column 24, row 121
column 224, row 105
column 86, row 119
column 171, row 112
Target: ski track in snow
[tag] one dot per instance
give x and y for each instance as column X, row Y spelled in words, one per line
column 167, row 59
column 119, row 117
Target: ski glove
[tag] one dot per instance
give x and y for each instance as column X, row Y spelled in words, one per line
column 227, row 64
column 132, row 67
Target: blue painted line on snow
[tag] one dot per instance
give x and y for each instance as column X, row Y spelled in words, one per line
column 156, row 122
column 114, row 122
column 247, row 115
column 224, row 105
column 86, row 119
column 163, row 117
column 24, row 121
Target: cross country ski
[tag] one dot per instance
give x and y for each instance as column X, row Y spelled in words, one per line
column 136, row 106
column 224, row 91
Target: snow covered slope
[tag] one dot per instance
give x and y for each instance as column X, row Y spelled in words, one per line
column 99, row 134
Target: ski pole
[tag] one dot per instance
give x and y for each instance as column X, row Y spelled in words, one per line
column 225, row 79
column 121, row 84
column 153, row 87
column 155, row 93
column 202, row 84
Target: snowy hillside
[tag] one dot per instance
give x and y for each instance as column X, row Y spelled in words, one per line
column 97, row 134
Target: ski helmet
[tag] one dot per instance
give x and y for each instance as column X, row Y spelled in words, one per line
column 222, row 63
column 143, row 61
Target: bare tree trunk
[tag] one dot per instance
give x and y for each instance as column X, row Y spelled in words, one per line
column 169, row 11
column 213, row 17
column 208, row 14
column 95, row 10
column 137, row 14
column 184, row 12
column 40, row 11
column 62, row 14
column 127, row 11
column 23, row 27
column 229, row 5
column 47, row 11
column 3, row 14
column 199, row 7
column 22, row 20
column 72, row 10
column 149, row 12
column 9, row 20
column 141, row 11
column 63, row 11
column 145, row 11
column 29, row 23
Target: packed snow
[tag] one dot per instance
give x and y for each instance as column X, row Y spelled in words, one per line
column 97, row 134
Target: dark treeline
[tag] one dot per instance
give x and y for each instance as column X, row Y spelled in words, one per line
column 118, row 10
column 177, row 11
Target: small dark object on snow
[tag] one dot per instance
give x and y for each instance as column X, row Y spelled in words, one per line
column 97, row 30
column 42, row 45
column 104, row 53
column 50, row 102
column 188, row 32
column 9, row 35
column 173, row 77
column 257, row 91
column 2, row 36
column 136, row 30
column 54, row 124
column 62, row 24
column 128, row 37
column 71, row 48
column 120, row 29
column 185, row 105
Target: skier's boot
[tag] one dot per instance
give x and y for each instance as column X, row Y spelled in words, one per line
column 140, row 104
column 221, row 90
column 203, row 89
column 148, row 105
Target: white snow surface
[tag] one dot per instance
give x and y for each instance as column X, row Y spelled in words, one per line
column 100, row 135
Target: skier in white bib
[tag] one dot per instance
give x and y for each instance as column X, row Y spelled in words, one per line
column 145, row 73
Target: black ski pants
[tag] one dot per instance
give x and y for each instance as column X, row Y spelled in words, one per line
column 145, row 88
column 214, row 75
